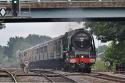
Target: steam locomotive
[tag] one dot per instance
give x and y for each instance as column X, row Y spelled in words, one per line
column 75, row 50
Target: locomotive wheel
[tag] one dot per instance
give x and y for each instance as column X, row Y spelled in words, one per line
column 66, row 69
column 85, row 70
column 71, row 69
column 88, row 70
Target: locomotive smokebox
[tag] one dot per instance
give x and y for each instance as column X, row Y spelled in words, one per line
column 81, row 40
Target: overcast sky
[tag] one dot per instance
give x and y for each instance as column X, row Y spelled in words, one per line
column 52, row 29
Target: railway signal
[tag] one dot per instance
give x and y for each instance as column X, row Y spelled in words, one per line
column 15, row 7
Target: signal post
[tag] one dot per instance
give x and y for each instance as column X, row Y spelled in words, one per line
column 15, row 7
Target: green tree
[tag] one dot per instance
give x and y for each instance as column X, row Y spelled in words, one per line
column 19, row 43
column 1, row 48
column 16, row 43
column 2, row 25
column 111, row 31
column 1, row 54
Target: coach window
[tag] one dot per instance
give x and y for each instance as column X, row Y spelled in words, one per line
column 54, row 52
column 34, row 54
column 45, row 52
column 41, row 56
column 40, row 49
column 27, row 54
column 51, row 51
column 38, row 54
column 42, row 53
column 31, row 55
column 48, row 51
column 33, row 58
column 58, row 49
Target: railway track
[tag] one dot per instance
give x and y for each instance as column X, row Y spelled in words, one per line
column 108, row 77
column 6, row 76
column 54, row 77
column 100, row 76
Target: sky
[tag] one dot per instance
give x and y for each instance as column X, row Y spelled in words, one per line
column 52, row 29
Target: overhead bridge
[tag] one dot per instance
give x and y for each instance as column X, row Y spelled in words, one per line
column 65, row 11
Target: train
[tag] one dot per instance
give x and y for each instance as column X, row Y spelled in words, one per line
column 73, row 51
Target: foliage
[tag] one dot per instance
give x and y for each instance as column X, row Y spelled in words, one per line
column 100, row 66
column 15, row 43
column 111, row 31
column 8, row 53
column 1, row 53
column 2, row 25
column 116, row 53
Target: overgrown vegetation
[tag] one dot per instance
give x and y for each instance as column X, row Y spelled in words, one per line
column 8, row 53
column 114, row 32
column 100, row 65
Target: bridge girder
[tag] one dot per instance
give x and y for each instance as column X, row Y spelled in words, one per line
column 65, row 15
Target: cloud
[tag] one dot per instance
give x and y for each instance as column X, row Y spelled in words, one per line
column 52, row 29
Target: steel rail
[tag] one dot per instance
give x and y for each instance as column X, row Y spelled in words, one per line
column 112, row 78
column 46, row 73
column 99, row 75
column 9, row 74
column 93, row 74
column 105, row 77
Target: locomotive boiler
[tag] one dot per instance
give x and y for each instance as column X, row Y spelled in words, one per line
column 75, row 50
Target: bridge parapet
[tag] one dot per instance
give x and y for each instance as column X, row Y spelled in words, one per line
column 40, row 5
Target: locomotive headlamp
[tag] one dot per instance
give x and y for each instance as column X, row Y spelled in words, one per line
column 82, row 56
